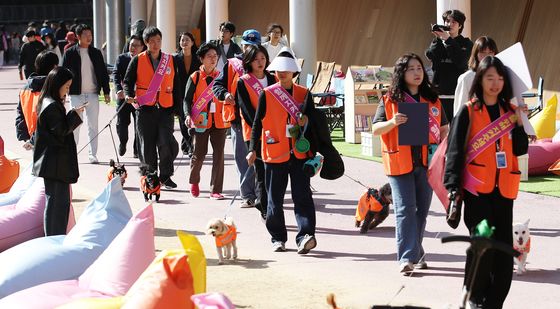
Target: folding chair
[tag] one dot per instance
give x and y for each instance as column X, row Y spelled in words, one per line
column 539, row 95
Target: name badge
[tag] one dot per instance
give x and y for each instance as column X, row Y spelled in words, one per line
column 212, row 107
column 501, row 159
column 289, row 128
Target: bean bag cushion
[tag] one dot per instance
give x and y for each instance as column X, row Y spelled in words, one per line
column 112, row 274
column 545, row 122
column 9, row 169
column 65, row 257
column 24, row 181
column 556, row 137
column 94, row 303
column 212, row 301
column 555, row 168
column 542, row 155
column 197, row 260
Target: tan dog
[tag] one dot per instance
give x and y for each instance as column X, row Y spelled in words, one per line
column 521, row 243
column 225, row 234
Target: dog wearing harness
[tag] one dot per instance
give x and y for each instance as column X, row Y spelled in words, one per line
column 225, row 234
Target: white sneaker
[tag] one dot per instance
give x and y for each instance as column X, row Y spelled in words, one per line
column 421, row 265
column 307, row 243
column 93, row 159
column 247, row 204
column 278, row 246
column 406, row 268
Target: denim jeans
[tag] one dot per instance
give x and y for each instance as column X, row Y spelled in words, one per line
column 92, row 116
column 247, row 183
column 412, row 196
column 304, row 208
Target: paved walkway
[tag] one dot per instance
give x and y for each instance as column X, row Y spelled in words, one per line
column 360, row 269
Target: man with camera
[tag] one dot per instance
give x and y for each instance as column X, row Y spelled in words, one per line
column 449, row 53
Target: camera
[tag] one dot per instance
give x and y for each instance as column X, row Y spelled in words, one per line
column 440, row 28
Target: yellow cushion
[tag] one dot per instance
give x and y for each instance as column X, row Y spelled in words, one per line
column 197, row 260
column 545, row 122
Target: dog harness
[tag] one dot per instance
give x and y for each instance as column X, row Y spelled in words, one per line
column 144, row 187
column 227, row 238
column 525, row 249
column 368, row 202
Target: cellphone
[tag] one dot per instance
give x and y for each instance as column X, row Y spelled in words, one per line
column 83, row 105
column 440, row 28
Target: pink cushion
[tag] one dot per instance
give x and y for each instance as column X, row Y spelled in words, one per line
column 112, row 274
column 542, row 155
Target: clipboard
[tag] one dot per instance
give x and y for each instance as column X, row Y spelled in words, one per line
column 415, row 131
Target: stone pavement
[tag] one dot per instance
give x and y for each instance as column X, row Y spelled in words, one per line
column 360, row 269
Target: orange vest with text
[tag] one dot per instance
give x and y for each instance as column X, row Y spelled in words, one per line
column 144, row 74
column 228, row 112
column 275, row 121
column 484, row 168
column 199, row 79
column 29, row 101
column 397, row 159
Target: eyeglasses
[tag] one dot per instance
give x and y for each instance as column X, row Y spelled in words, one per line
column 276, row 32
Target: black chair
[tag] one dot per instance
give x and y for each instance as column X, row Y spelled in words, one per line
column 539, row 95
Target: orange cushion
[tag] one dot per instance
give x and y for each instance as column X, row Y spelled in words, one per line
column 555, row 168
column 9, row 169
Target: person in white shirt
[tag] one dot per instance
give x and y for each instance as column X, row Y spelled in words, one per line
column 226, row 47
column 274, row 43
column 483, row 46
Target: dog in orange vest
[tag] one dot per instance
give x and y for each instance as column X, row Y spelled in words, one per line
column 521, row 243
column 225, row 234
column 373, row 208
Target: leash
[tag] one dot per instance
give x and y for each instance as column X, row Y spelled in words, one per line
column 114, row 145
column 238, row 192
column 103, row 129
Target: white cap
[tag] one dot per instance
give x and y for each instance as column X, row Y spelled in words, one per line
column 285, row 61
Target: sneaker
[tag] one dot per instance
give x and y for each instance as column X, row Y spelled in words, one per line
column 247, row 204
column 169, row 184
column 216, row 196
column 195, row 191
column 278, row 246
column 306, row 244
column 405, row 268
column 122, row 149
column 93, row 159
column 421, row 265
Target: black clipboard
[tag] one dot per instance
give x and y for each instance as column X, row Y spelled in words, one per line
column 415, row 131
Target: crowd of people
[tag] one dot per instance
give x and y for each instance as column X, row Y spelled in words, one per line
column 249, row 91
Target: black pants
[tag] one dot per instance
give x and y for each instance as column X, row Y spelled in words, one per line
column 123, row 120
column 186, row 141
column 57, row 207
column 447, row 105
column 155, row 136
column 261, row 202
column 493, row 278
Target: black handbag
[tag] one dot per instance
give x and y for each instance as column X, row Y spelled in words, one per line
column 453, row 217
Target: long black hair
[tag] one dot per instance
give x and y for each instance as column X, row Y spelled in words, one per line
column 398, row 84
column 194, row 48
column 251, row 54
column 51, row 89
column 477, row 92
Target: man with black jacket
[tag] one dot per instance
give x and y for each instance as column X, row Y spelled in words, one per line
column 449, row 53
column 28, row 53
column 226, row 47
column 90, row 75
column 123, row 118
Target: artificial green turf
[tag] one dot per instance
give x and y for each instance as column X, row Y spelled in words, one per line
column 546, row 185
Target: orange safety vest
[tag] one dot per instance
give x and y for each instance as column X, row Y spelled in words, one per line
column 397, row 159
column 144, row 186
column 228, row 110
column 367, row 203
column 275, row 122
column 525, row 249
column 29, row 100
column 227, row 238
column 483, row 167
column 144, row 74
column 254, row 99
column 199, row 79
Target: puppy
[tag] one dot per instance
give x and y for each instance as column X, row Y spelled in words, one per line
column 521, row 243
column 373, row 208
column 149, row 184
column 116, row 170
column 225, row 234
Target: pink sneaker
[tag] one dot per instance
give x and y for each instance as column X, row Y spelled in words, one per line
column 195, row 191
column 216, row 196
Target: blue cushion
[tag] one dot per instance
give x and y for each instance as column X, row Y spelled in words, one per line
column 65, row 257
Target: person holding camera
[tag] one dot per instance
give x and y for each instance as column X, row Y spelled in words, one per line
column 449, row 53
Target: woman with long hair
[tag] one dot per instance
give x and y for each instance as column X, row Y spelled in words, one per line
column 483, row 46
column 406, row 165
column 51, row 45
column 55, row 158
column 485, row 173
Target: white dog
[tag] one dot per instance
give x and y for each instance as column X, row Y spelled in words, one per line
column 225, row 234
column 521, row 243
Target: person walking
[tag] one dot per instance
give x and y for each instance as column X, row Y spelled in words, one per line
column 28, row 53
column 274, row 43
column 55, row 158
column 149, row 83
column 226, row 46
column 90, row 76
column 485, row 173
column 204, row 112
column 50, row 44
column 406, row 165
column 187, row 63
column 281, row 112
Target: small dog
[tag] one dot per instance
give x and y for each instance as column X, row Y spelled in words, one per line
column 116, row 170
column 521, row 243
column 149, row 184
column 225, row 234
column 373, row 208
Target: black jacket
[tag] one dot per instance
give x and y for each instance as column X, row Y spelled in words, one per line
column 72, row 61
column 243, row 100
column 34, row 84
column 221, row 86
column 449, row 60
column 55, row 156
column 27, row 55
column 119, row 70
column 182, row 78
